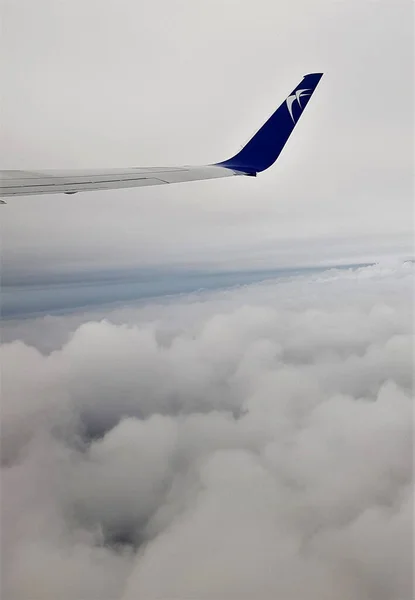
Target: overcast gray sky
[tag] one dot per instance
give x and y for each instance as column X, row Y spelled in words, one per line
column 122, row 83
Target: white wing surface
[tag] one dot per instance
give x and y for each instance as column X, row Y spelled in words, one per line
column 24, row 183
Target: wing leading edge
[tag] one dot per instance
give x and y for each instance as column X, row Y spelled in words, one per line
column 257, row 155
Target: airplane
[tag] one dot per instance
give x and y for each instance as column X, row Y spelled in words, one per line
column 256, row 156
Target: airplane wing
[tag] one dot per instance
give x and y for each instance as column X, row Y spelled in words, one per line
column 257, row 155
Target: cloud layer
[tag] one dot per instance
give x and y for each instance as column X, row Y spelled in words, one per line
column 249, row 443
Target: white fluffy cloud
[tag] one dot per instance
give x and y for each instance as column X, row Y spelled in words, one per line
column 248, row 443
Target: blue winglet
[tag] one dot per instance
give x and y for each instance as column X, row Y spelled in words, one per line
column 264, row 148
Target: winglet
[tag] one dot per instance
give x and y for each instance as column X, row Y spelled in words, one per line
column 264, row 148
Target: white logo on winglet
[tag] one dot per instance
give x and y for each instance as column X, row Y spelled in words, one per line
column 296, row 97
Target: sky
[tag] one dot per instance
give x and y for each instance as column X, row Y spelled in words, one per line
column 167, row 82
column 207, row 388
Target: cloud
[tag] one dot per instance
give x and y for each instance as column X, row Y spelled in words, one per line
column 246, row 443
